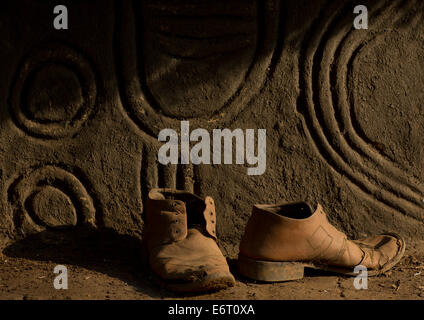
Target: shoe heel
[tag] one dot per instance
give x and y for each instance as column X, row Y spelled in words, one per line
column 270, row 271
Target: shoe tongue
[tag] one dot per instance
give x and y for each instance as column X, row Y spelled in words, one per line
column 190, row 204
column 195, row 209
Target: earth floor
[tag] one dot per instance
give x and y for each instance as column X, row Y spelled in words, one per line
column 98, row 269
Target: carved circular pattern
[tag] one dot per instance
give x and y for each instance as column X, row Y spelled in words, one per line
column 200, row 61
column 54, row 93
column 51, row 197
column 328, row 65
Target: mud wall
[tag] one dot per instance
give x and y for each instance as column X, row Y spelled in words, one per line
column 81, row 109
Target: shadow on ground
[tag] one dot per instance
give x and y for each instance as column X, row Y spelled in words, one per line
column 103, row 251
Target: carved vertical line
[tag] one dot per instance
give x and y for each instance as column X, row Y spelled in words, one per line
column 149, row 177
column 185, row 177
column 168, row 176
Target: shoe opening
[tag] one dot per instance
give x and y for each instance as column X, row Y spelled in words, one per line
column 299, row 210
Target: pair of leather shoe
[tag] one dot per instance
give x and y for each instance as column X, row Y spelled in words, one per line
column 179, row 244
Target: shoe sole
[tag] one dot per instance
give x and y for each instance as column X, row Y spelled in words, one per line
column 270, row 271
column 278, row 271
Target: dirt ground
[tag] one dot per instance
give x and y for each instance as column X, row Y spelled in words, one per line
column 107, row 266
column 81, row 111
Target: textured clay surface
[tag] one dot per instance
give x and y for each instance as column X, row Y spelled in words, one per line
column 81, row 109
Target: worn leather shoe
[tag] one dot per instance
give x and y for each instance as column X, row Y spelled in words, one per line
column 281, row 240
column 179, row 242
